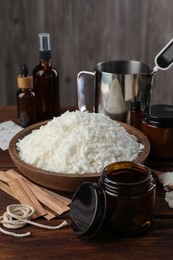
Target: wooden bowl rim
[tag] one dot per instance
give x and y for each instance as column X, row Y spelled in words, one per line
column 23, row 166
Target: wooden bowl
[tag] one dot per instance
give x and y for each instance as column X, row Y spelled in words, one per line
column 63, row 181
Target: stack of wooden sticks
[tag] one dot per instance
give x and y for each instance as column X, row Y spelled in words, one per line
column 46, row 203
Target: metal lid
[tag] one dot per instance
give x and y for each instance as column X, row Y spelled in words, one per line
column 87, row 209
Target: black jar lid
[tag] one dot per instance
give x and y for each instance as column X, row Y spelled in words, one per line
column 160, row 115
column 87, row 209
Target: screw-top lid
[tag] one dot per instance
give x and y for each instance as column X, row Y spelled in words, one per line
column 44, row 46
column 159, row 115
column 87, row 209
column 24, row 80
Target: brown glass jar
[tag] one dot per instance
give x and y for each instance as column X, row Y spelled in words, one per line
column 130, row 196
column 157, row 125
column 123, row 201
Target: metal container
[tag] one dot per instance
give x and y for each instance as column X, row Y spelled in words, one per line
column 118, row 87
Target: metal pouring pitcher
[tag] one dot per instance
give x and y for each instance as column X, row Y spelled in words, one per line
column 119, row 87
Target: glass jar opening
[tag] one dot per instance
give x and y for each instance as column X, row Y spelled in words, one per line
column 126, row 173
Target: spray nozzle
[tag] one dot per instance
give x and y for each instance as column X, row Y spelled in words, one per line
column 44, row 42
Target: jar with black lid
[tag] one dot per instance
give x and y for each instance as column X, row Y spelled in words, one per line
column 130, row 193
column 157, row 125
column 123, row 200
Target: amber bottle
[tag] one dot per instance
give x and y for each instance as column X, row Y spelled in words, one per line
column 123, row 201
column 25, row 97
column 130, row 192
column 46, row 82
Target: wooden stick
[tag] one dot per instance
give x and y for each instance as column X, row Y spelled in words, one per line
column 63, row 199
column 13, row 174
column 49, row 215
column 9, row 175
column 54, row 202
column 25, row 196
column 3, row 177
column 48, row 200
column 7, row 189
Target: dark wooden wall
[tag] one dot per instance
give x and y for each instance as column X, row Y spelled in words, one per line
column 83, row 33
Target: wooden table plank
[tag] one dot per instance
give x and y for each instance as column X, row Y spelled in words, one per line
column 156, row 243
column 64, row 244
column 8, row 113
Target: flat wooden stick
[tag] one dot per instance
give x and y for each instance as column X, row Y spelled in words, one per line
column 53, row 201
column 49, row 215
column 63, row 199
column 11, row 174
column 25, row 196
column 3, row 177
column 7, row 189
column 48, row 200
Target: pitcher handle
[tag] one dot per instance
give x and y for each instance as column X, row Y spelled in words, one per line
column 81, row 89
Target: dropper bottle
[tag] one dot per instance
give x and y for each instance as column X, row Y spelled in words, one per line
column 46, row 82
column 25, row 97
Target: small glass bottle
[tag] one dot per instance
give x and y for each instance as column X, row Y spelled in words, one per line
column 46, row 82
column 157, row 125
column 25, row 97
column 130, row 193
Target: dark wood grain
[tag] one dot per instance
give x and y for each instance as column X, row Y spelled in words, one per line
column 83, row 33
column 156, row 243
column 64, row 244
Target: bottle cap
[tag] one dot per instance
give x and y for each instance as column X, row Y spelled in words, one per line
column 26, row 82
column 23, row 80
column 44, row 46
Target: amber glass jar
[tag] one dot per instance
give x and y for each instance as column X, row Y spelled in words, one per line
column 130, row 196
column 123, row 201
column 157, row 125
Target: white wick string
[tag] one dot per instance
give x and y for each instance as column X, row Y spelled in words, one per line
column 17, row 216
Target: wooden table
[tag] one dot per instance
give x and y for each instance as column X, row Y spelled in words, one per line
column 156, row 243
